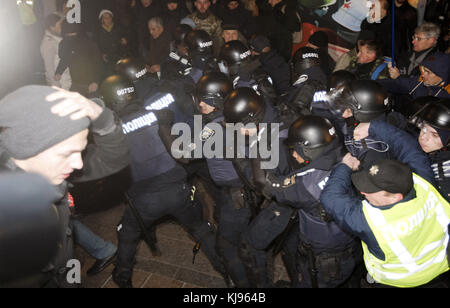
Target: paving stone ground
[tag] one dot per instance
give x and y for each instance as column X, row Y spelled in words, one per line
column 173, row 269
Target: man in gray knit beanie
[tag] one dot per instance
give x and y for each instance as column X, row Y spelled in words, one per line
column 44, row 130
column 37, row 120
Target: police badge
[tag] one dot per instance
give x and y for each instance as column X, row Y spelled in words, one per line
column 206, row 133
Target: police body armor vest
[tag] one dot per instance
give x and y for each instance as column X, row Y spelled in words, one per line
column 201, row 65
column 413, row 236
column 316, row 227
column 259, row 81
column 148, row 154
column 144, row 87
column 221, row 170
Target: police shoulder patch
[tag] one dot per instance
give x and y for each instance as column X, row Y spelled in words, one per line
column 207, row 133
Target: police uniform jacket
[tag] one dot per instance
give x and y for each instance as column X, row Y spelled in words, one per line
column 341, row 202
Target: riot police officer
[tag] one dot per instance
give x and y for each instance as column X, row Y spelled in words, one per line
column 308, row 86
column 210, row 94
column 433, row 120
column 159, row 183
column 200, row 52
column 178, row 45
column 363, row 101
column 340, row 78
column 238, row 199
column 134, row 69
column 327, row 254
column 177, row 64
column 208, row 99
column 194, row 59
column 246, row 71
column 321, row 105
column 306, row 61
column 436, row 121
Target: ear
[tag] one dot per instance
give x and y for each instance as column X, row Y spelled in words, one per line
column 397, row 197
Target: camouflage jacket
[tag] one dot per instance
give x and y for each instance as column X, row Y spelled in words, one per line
column 211, row 24
column 360, row 74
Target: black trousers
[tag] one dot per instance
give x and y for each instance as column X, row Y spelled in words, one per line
column 174, row 201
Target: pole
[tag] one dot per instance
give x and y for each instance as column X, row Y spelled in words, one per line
column 393, row 34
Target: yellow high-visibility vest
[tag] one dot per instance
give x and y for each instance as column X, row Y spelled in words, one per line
column 413, row 236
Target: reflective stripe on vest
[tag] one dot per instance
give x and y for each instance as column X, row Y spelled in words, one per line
column 413, row 236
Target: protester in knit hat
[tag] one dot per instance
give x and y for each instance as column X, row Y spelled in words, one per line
column 30, row 126
column 433, row 80
column 44, row 130
column 36, row 119
column 439, row 64
column 102, row 12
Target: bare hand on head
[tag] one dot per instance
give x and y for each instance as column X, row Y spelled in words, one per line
column 75, row 105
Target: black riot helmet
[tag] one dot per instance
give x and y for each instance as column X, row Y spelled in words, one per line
column 117, row 91
column 415, row 109
column 235, row 53
column 181, row 30
column 213, row 88
column 366, row 99
column 303, row 59
column 340, row 78
column 131, row 68
column 310, row 135
column 244, row 105
column 437, row 115
column 198, row 42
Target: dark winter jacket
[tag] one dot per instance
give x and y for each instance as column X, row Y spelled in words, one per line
column 278, row 70
column 159, row 49
column 172, row 18
column 143, row 15
column 339, row 200
column 110, row 43
column 278, row 24
column 241, row 17
column 84, row 60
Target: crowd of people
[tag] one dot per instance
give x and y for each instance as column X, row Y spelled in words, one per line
column 359, row 196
